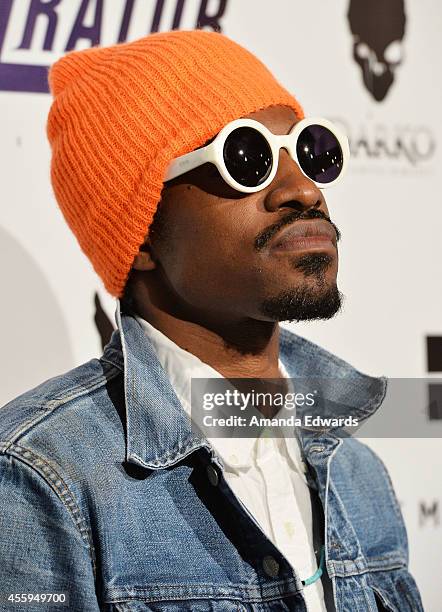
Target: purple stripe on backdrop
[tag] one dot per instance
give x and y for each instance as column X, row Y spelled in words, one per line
column 18, row 77
column 5, row 9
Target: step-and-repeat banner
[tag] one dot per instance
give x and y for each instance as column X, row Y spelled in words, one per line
column 374, row 67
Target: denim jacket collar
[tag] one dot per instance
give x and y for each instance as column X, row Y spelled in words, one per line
column 158, row 429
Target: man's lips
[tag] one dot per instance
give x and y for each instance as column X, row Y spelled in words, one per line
column 305, row 235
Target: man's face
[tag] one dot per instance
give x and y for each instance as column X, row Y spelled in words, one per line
column 227, row 256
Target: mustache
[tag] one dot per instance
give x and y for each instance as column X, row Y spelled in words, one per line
column 266, row 235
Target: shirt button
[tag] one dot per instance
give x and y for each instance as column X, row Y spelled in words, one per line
column 212, row 475
column 271, row 566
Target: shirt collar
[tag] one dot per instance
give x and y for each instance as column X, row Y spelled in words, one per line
column 181, row 366
column 158, row 430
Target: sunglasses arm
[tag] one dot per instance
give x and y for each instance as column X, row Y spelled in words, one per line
column 189, row 161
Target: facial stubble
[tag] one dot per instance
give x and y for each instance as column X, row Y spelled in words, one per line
column 306, row 301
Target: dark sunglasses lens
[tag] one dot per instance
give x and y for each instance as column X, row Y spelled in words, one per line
column 247, row 156
column 319, row 154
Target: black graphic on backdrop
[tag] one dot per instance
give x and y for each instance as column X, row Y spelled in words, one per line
column 434, row 364
column 378, row 29
column 429, row 513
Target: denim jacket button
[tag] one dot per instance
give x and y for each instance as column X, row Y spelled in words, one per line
column 271, row 566
column 212, row 475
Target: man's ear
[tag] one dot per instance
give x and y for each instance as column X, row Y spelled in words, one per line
column 144, row 260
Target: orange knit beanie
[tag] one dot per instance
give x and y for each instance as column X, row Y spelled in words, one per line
column 121, row 114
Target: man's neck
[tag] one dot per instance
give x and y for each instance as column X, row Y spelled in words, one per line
column 242, row 349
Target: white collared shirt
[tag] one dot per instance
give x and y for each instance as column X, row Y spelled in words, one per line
column 266, row 474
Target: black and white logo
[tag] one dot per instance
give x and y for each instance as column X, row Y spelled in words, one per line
column 378, row 29
column 434, row 365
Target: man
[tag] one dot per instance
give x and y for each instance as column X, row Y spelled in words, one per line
column 110, row 498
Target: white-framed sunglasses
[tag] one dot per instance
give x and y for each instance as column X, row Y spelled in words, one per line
column 246, row 153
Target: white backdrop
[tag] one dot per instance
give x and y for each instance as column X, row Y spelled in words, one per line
column 388, row 209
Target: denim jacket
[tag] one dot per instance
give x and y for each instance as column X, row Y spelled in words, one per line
column 108, row 497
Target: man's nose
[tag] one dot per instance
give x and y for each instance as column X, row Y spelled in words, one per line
column 291, row 189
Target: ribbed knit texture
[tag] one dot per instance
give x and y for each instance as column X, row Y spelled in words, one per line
column 121, row 114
